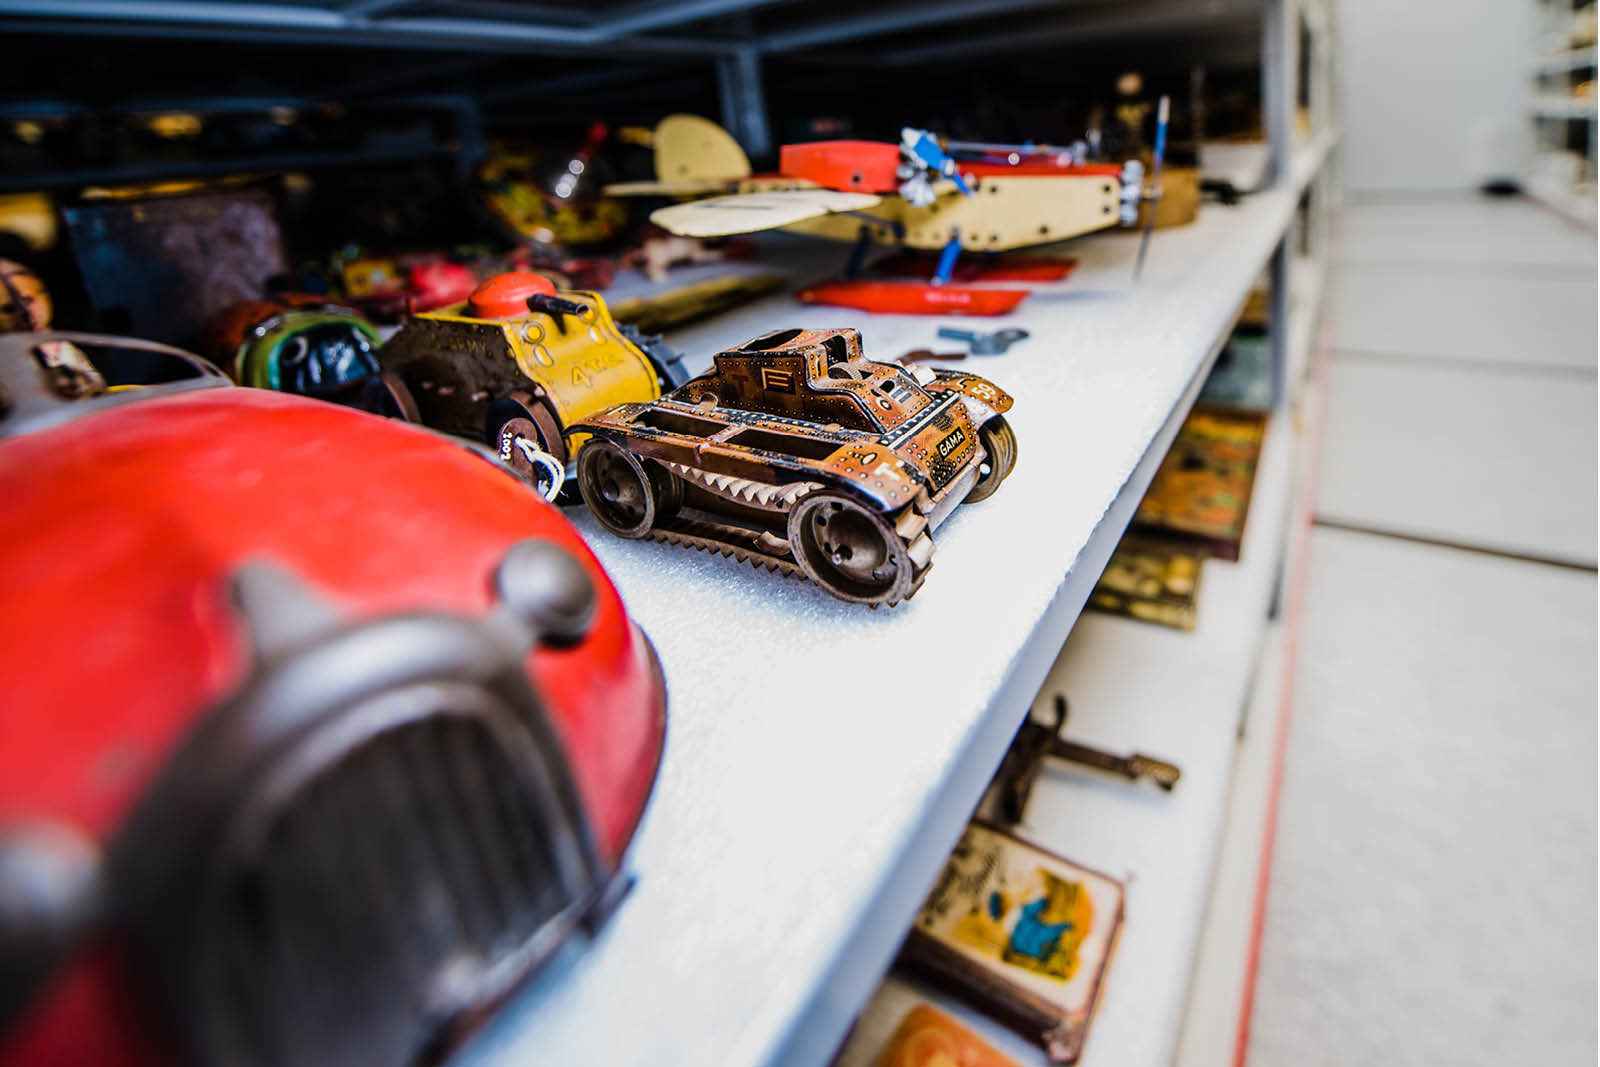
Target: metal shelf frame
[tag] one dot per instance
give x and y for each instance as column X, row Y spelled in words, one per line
column 1561, row 171
column 1134, row 359
column 515, row 27
column 1133, row 679
column 642, row 30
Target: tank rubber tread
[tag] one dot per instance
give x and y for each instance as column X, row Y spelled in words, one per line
column 758, row 549
column 911, row 524
column 920, row 549
column 725, row 540
column 744, row 490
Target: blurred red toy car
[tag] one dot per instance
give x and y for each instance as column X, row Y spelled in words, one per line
column 320, row 730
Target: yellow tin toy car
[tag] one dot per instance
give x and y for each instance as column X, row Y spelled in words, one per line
column 517, row 363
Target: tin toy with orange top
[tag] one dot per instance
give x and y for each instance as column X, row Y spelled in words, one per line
column 517, row 364
column 321, row 731
column 797, row 453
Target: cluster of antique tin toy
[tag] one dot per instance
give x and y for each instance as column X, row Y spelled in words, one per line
column 920, row 195
column 491, row 752
column 794, row 451
column 481, row 725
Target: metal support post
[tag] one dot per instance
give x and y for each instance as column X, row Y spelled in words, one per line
column 1278, row 314
column 858, row 252
column 1278, row 41
column 744, row 105
column 947, row 258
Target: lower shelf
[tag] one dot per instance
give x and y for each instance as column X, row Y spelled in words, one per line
column 1223, row 961
column 822, row 760
column 1308, row 286
column 1563, row 199
column 1173, row 695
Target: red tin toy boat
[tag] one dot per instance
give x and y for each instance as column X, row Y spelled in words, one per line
column 1008, row 268
column 913, row 298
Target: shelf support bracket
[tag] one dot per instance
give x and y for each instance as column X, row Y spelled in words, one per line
column 1278, row 83
column 1278, row 269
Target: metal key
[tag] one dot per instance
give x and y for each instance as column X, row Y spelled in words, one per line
column 923, row 355
column 1035, row 742
column 985, row 344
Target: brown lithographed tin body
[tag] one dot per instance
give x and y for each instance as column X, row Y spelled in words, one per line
column 800, row 454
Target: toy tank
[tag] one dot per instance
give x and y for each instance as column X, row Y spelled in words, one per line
column 517, row 364
column 800, row 455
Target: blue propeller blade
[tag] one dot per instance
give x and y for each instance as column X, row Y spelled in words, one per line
column 924, row 148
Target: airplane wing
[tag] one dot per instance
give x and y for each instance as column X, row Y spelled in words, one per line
column 749, row 212
column 688, row 187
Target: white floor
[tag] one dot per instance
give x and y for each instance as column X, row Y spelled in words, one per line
column 1433, row 893
column 1511, row 316
column 1453, row 451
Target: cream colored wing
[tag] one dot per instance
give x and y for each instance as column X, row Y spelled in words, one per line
column 749, row 212
column 1011, row 211
column 701, row 187
column 690, row 148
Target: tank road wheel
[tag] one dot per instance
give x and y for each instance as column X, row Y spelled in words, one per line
column 850, row 550
column 517, row 422
column 1000, row 444
column 626, row 494
column 387, row 395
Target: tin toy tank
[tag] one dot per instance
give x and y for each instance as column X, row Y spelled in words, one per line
column 798, row 454
column 517, row 364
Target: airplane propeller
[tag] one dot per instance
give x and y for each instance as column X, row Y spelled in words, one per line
column 924, row 157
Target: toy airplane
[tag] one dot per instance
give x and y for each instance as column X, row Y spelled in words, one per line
column 917, row 194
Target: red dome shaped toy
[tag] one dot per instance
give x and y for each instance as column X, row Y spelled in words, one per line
column 320, row 731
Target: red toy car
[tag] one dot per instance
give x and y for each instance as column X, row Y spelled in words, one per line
column 319, row 730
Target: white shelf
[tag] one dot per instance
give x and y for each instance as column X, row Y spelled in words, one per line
column 1564, row 47
column 821, row 759
column 1179, row 696
column 1563, row 107
column 1210, row 1033
column 1223, row 972
column 1307, row 292
column 1309, row 157
column 1562, row 62
column 1235, row 605
column 1562, row 198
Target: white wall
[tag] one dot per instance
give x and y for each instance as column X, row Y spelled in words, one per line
column 1432, row 93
